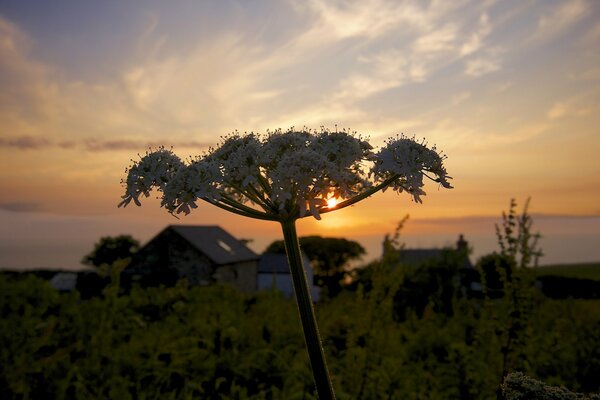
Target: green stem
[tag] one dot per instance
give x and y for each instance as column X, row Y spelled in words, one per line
column 359, row 197
column 307, row 314
column 255, row 214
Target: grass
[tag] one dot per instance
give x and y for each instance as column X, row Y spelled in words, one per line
column 583, row 271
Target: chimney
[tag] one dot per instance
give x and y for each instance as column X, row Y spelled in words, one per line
column 462, row 244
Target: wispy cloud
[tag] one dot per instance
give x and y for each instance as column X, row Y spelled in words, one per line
column 94, row 145
column 367, row 18
column 200, row 94
column 461, row 98
column 560, row 18
column 25, row 143
column 580, row 105
column 21, row 207
column 484, row 64
column 235, row 80
column 476, row 40
column 437, row 40
column 385, row 71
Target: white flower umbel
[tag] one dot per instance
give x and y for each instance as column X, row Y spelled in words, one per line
column 283, row 176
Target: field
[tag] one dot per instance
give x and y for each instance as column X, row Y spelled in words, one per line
column 399, row 334
column 582, row 271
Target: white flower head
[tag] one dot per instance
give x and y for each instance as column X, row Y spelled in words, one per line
column 238, row 156
column 297, row 179
column 346, row 155
column 198, row 180
column 155, row 169
column 278, row 143
column 410, row 161
column 285, row 175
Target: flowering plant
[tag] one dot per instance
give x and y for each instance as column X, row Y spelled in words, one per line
column 283, row 176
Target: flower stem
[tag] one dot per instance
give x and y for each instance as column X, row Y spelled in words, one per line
column 307, row 314
column 359, row 197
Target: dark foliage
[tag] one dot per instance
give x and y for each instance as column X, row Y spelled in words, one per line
column 213, row 342
column 111, row 249
column 560, row 287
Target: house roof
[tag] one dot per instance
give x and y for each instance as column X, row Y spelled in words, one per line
column 273, row 263
column 64, row 281
column 216, row 243
column 418, row 256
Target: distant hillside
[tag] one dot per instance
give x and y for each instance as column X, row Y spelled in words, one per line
column 581, row 271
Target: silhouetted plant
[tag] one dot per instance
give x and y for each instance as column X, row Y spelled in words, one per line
column 508, row 277
column 283, row 177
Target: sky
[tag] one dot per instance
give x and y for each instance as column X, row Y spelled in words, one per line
column 509, row 90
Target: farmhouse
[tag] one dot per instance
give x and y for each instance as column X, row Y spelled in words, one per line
column 209, row 254
column 201, row 254
column 416, row 257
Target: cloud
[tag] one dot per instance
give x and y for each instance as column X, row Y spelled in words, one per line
column 557, row 111
column 25, row 143
column 461, row 98
column 583, row 104
column 437, row 40
column 240, row 80
column 561, row 18
column 20, row 207
column 590, row 74
column 192, row 96
column 96, row 145
column 109, row 145
column 501, row 87
column 580, row 105
column 484, row 64
column 367, row 18
column 475, row 41
column 593, row 35
column 386, row 70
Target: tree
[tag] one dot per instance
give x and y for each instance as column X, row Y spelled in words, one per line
column 329, row 258
column 111, row 249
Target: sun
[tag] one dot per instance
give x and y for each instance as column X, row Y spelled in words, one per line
column 332, row 202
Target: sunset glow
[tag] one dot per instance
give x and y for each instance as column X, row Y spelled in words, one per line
column 332, row 202
column 509, row 90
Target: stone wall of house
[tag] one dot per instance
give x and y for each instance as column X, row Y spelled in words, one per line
column 189, row 262
column 170, row 254
column 247, row 272
column 242, row 275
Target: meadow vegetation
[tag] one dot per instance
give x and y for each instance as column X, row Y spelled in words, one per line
column 213, row 342
column 397, row 332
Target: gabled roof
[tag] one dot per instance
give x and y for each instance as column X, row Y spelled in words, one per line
column 273, row 263
column 216, row 243
column 64, row 281
column 418, row 256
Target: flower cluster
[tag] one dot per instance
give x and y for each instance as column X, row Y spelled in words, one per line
column 410, row 161
column 284, row 174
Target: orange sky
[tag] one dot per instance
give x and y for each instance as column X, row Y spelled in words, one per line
column 509, row 90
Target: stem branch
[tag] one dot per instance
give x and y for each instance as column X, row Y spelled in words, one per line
column 359, row 197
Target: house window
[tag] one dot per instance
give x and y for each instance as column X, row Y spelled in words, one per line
column 225, row 246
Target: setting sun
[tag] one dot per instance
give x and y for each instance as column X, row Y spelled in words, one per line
column 332, row 202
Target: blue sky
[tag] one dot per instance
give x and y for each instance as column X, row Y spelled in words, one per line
column 510, row 90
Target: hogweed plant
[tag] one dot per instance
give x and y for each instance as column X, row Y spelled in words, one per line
column 284, row 176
